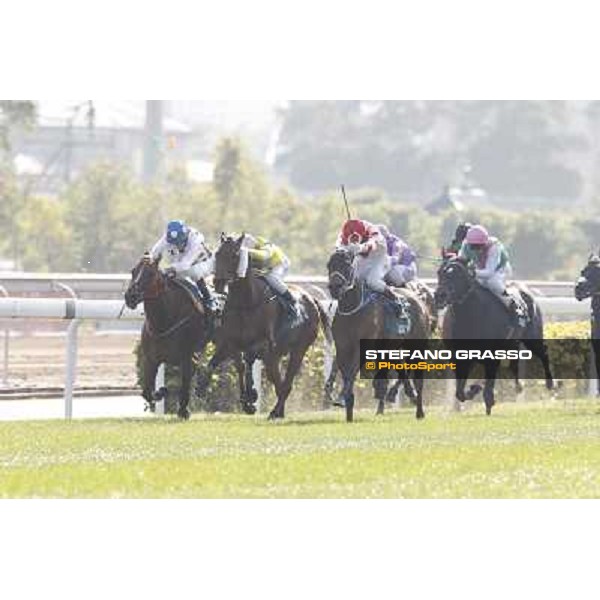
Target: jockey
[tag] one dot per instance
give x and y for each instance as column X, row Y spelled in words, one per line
column 492, row 266
column 274, row 265
column 188, row 256
column 456, row 243
column 403, row 266
column 372, row 261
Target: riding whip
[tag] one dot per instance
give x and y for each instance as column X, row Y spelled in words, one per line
column 346, row 202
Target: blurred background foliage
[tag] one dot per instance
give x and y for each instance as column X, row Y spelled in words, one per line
column 105, row 218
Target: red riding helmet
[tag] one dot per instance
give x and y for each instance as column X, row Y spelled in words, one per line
column 354, row 228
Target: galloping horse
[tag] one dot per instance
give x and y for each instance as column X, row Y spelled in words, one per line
column 355, row 320
column 475, row 314
column 588, row 285
column 174, row 329
column 255, row 323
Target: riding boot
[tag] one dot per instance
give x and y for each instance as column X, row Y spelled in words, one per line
column 515, row 311
column 403, row 319
column 291, row 307
column 207, row 299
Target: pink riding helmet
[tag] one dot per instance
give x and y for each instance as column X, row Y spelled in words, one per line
column 478, row 236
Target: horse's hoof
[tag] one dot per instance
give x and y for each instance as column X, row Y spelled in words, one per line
column 420, row 415
column 519, row 388
column 183, row 414
column 248, row 408
column 274, row 416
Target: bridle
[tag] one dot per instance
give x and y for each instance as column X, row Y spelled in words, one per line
column 157, row 289
column 471, row 286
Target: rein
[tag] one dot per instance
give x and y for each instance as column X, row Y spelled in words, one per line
column 171, row 329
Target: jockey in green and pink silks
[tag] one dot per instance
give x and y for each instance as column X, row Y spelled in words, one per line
column 489, row 258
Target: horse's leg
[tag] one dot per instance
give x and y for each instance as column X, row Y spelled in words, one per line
column 273, row 373
column 203, row 376
column 514, row 368
column 380, row 385
column 150, row 370
column 293, row 366
column 596, row 351
column 330, row 383
column 538, row 347
column 491, row 368
column 349, row 369
column 462, row 374
column 419, row 381
column 184, row 392
column 251, row 392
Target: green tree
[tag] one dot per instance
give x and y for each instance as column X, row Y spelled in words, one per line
column 14, row 114
column 46, row 238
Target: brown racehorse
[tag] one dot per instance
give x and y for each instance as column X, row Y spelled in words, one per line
column 254, row 323
column 174, row 329
column 353, row 322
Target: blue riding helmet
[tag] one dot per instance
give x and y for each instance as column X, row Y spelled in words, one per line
column 177, row 234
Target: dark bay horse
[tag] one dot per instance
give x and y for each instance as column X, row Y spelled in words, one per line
column 255, row 323
column 474, row 314
column 174, row 329
column 354, row 321
column 588, row 285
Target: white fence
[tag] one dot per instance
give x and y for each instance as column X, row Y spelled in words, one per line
column 75, row 310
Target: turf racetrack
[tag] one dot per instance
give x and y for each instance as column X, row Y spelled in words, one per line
column 549, row 449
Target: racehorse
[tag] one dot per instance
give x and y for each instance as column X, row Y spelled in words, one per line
column 174, row 329
column 475, row 314
column 256, row 324
column 588, row 285
column 357, row 319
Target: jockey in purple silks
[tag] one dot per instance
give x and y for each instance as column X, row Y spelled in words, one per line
column 402, row 260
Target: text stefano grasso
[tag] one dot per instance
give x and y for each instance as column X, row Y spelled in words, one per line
column 444, row 355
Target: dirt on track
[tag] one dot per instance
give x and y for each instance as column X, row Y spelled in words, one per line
column 38, row 360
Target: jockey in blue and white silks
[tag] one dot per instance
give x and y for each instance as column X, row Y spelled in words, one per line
column 188, row 256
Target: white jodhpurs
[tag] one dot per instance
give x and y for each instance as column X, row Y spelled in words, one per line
column 373, row 268
column 401, row 274
column 200, row 270
column 276, row 274
column 496, row 283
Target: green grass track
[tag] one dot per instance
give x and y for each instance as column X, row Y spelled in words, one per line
column 537, row 450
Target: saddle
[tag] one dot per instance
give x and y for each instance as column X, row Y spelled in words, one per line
column 192, row 291
column 394, row 323
column 521, row 310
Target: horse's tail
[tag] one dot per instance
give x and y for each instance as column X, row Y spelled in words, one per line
column 536, row 318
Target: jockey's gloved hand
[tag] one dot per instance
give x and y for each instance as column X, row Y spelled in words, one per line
column 171, row 273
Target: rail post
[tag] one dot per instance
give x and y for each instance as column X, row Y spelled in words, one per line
column 71, row 350
column 4, row 293
column 71, row 366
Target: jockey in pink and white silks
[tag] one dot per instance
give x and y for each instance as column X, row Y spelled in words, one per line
column 188, row 256
column 403, row 264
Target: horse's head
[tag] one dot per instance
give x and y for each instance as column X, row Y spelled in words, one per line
column 227, row 260
column 455, row 280
column 146, row 283
column 588, row 283
column 341, row 272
